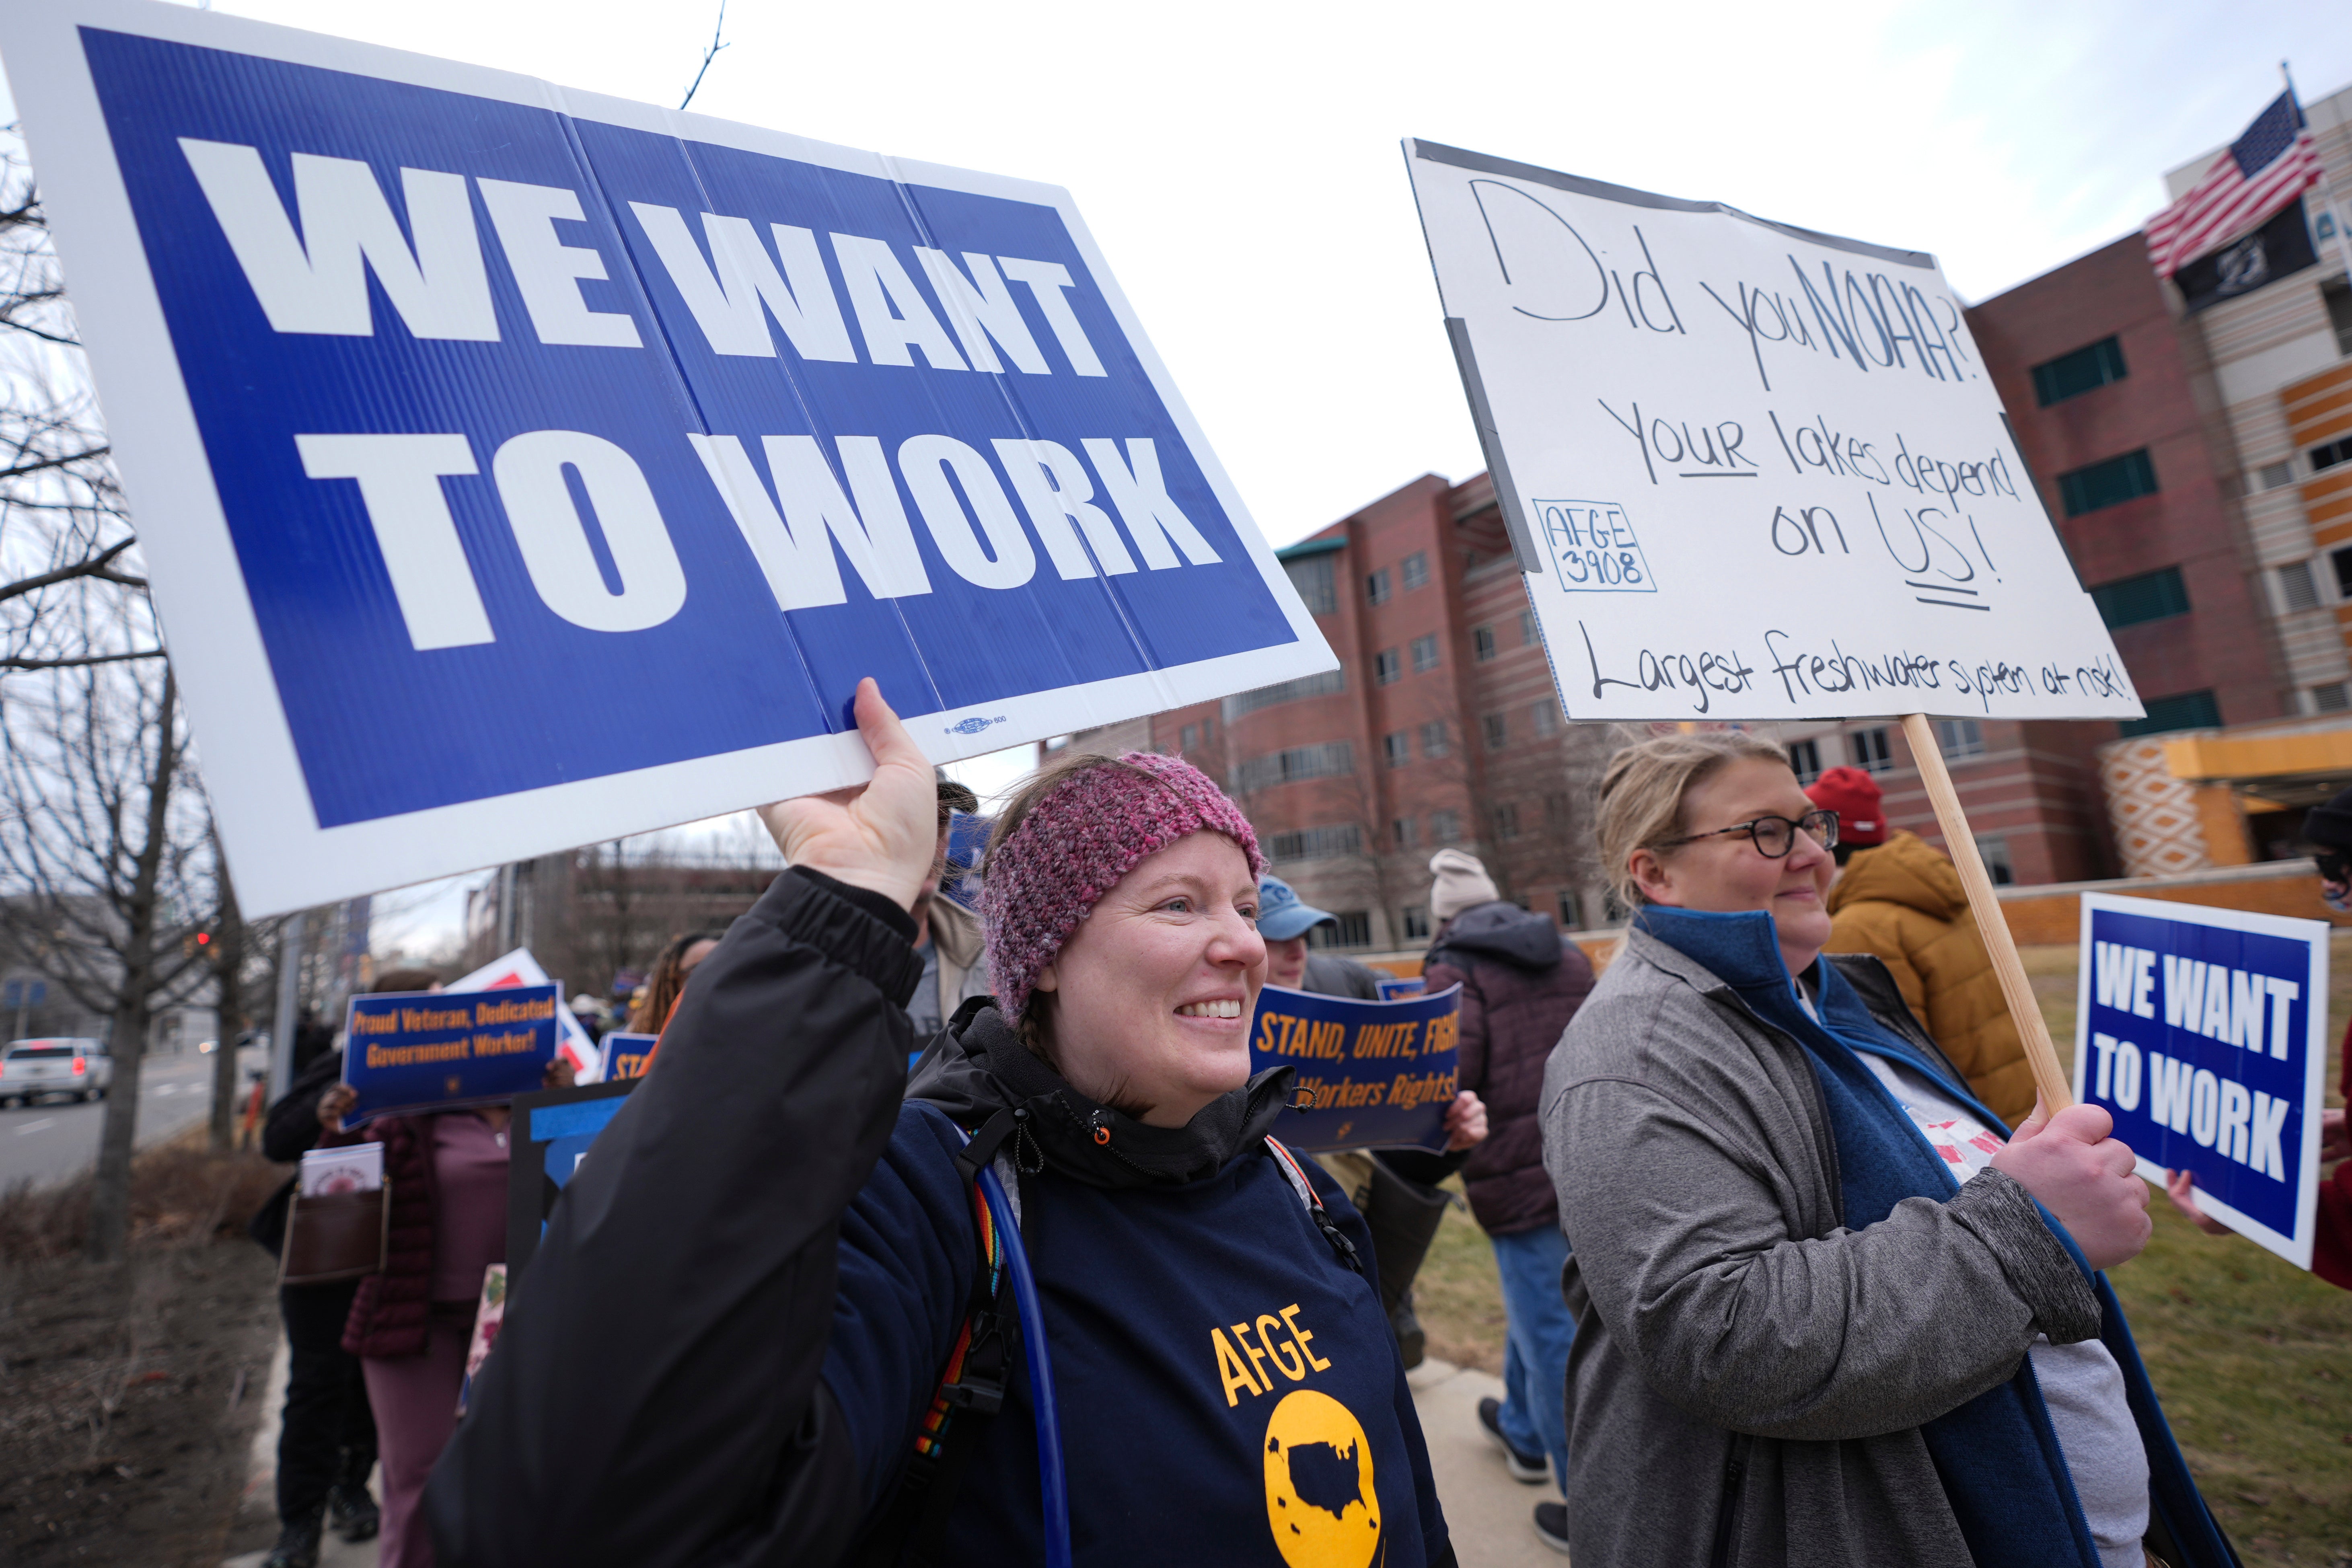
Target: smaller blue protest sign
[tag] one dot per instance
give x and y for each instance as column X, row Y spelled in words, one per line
column 438, row 1050
column 1398, row 990
column 2201, row 1032
column 1371, row 1075
column 552, row 1134
column 626, row 1055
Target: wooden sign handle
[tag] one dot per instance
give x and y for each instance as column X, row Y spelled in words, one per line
column 2049, row 1077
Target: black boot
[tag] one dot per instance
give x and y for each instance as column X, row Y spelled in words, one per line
column 1403, row 1216
column 1412, row 1343
column 297, row 1545
column 354, row 1512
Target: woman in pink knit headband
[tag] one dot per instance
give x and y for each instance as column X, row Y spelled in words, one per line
column 822, row 1305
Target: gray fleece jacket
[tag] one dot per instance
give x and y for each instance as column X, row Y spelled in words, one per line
column 1749, row 1376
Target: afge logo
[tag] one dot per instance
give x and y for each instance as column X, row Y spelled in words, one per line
column 1321, row 1500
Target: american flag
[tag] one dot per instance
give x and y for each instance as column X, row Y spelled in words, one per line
column 2263, row 169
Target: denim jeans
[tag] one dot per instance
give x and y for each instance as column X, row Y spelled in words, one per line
column 1534, row 1358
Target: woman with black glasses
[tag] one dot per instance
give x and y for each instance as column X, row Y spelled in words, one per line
column 1826, row 1313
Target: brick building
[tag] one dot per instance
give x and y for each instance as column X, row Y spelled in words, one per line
column 1439, row 727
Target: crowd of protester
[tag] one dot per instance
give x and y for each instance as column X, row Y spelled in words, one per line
column 1794, row 1269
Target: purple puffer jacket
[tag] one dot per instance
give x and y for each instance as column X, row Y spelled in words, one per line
column 388, row 1315
column 1521, row 982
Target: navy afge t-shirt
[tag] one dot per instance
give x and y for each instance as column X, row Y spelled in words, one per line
column 1229, row 1391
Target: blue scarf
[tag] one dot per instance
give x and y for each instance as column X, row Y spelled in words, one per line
column 2002, row 1469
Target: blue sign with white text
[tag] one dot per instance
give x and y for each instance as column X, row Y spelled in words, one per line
column 519, row 418
column 2198, row 1034
column 436, row 1050
column 1371, row 1075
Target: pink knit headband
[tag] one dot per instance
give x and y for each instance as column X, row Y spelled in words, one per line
column 1075, row 846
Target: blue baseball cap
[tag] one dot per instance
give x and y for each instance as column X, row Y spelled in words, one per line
column 1280, row 914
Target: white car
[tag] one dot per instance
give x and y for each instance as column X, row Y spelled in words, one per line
column 78, row 1069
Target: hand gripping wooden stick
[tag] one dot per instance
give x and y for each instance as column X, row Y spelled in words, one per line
column 2048, row 1076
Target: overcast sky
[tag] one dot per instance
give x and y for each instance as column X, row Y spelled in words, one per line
column 1238, row 162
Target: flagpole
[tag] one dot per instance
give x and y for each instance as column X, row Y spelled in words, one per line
column 2326, row 189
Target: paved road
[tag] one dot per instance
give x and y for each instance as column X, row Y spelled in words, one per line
column 56, row 1140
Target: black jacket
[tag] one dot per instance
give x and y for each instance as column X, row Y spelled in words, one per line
column 745, row 1297
column 291, row 1131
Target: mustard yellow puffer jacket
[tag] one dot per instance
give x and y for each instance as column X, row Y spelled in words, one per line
column 1903, row 901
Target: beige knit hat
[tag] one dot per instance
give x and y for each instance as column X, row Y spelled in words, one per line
column 1462, row 881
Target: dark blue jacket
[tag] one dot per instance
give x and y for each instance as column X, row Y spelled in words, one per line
column 744, row 1302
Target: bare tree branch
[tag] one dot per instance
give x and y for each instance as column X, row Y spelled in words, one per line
column 709, row 55
column 80, row 660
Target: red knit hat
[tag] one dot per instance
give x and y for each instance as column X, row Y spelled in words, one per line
column 1075, row 844
column 1854, row 795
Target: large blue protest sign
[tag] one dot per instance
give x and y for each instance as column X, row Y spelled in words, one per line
column 436, row 1050
column 2202, row 1032
column 1371, row 1075
column 461, row 410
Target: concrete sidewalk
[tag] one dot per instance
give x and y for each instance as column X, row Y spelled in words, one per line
column 261, row 1481
column 1492, row 1517
column 1488, row 1512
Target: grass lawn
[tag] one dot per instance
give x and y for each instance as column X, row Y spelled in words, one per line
column 2251, row 1356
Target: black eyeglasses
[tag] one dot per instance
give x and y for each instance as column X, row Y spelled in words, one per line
column 1773, row 837
column 2334, row 864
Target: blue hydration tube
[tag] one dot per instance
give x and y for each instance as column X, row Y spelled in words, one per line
column 1052, row 1484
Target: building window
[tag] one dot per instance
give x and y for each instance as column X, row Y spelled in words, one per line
column 2341, row 560
column 1401, row 833
column 1413, row 920
column 2339, row 313
column 1397, row 749
column 1415, row 568
column 2335, row 452
column 1327, row 761
column 1323, row 685
column 1376, row 587
column 1445, row 828
column 1961, row 738
column 1482, row 643
column 1433, row 740
column 2297, row 587
column 2071, row 375
column 1315, row 843
column 1529, row 636
column 1506, row 820
column 1546, row 719
column 1992, row 848
column 1805, row 756
column 1498, row 731
column 1556, row 811
column 1387, row 668
column 1312, row 576
column 1354, row 930
column 1424, row 654
column 2331, row 698
column 2186, row 711
column 2271, row 476
column 2111, row 483
column 1571, row 909
column 2151, row 596
column 1869, row 751
column 1187, row 738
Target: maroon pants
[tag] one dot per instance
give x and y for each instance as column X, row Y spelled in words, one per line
column 415, row 1403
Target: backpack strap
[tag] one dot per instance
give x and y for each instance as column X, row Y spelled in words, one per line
column 912, row 1529
column 1289, row 1164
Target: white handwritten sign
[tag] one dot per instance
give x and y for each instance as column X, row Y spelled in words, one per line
column 1751, row 471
